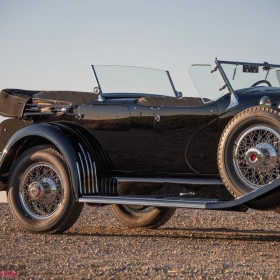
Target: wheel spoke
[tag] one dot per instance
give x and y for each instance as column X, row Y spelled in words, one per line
column 43, row 180
column 267, row 141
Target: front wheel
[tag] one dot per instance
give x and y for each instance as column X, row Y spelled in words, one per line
column 39, row 192
column 142, row 216
column 249, row 154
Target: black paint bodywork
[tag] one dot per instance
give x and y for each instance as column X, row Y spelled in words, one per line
column 124, row 139
column 182, row 144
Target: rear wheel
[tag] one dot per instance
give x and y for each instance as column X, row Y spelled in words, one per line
column 39, row 192
column 142, row 216
column 249, row 154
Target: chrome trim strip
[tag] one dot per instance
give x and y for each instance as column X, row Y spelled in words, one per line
column 249, row 63
column 96, row 179
column 190, row 181
column 79, row 175
column 145, row 201
column 88, row 174
column 85, row 190
column 91, row 173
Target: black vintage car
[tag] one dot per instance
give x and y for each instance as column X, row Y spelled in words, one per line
column 144, row 148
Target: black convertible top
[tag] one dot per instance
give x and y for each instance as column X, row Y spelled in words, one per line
column 13, row 101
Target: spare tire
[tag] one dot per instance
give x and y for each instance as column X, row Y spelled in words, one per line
column 249, row 154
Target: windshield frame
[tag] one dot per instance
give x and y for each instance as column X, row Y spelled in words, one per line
column 234, row 97
column 106, row 95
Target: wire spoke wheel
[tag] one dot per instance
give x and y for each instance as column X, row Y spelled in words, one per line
column 41, row 191
column 249, row 155
column 256, row 156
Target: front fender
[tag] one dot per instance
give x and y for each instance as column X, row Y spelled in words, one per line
column 54, row 135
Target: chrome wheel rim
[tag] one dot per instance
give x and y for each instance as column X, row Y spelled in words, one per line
column 256, row 156
column 41, row 191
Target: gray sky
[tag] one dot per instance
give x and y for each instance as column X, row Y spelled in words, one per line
column 51, row 44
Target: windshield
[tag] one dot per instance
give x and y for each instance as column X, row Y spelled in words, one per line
column 208, row 84
column 212, row 82
column 242, row 75
column 130, row 80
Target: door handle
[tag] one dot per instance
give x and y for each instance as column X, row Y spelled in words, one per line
column 157, row 118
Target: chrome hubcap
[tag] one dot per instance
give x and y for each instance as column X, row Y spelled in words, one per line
column 41, row 191
column 263, row 157
column 35, row 190
column 256, row 156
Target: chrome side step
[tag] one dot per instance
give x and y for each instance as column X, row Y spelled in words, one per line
column 159, row 202
column 179, row 202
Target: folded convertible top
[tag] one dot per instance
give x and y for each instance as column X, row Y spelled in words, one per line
column 13, row 101
column 18, row 103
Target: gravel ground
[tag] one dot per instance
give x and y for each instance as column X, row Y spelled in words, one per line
column 194, row 244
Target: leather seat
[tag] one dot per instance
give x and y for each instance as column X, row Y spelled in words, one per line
column 74, row 97
column 169, row 101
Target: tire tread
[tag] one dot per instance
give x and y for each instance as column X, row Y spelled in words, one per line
column 256, row 109
column 76, row 207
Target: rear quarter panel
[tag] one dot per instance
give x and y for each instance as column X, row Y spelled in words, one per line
column 8, row 127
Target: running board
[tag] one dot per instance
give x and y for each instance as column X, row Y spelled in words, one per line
column 179, row 202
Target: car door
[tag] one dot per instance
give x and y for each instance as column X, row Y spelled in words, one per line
column 185, row 139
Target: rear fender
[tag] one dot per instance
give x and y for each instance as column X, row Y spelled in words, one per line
column 52, row 134
column 101, row 157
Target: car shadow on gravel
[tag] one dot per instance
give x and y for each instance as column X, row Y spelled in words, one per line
column 177, row 233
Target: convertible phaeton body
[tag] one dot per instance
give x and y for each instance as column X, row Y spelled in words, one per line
column 141, row 146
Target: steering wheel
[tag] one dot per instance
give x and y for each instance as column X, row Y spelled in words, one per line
column 260, row 82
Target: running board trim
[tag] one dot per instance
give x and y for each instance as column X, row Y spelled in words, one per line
column 178, row 202
column 159, row 202
column 190, row 181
